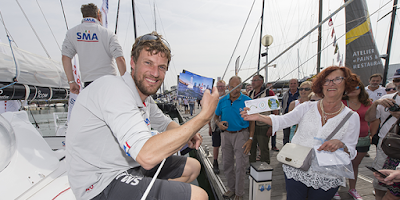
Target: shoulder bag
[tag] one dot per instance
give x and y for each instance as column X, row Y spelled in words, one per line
column 391, row 142
column 299, row 156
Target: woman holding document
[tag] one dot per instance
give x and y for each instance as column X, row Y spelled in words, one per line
column 316, row 121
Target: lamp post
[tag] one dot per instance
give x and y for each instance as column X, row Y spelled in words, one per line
column 266, row 41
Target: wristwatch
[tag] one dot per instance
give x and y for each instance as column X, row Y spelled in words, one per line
column 250, row 138
column 69, row 82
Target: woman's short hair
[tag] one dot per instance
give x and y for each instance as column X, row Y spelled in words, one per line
column 306, row 83
column 152, row 46
column 350, row 79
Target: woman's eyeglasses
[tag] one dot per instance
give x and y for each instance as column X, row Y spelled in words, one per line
column 358, row 87
column 150, row 36
column 390, row 89
column 306, row 89
column 335, row 81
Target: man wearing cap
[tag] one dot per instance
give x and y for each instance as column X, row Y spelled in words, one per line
column 374, row 89
column 96, row 47
column 118, row 137
column 237, row 137
column 379, row 109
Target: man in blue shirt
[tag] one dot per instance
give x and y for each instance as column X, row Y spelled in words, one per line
column 289, row 96
column 237, row 137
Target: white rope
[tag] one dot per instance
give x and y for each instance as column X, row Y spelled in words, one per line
column 152, row 181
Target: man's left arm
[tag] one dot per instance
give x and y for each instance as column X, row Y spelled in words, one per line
column 121, row 65
column 247, row 145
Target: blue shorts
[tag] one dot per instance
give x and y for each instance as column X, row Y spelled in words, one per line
column 132, row 183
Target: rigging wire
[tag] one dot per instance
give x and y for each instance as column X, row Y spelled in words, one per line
column 116, row 23
column 292, row 45
column 5, row 28
column 238, row 40
column 65, row 19
column 248, row 47
column 26, row 17
column 165, row 34
column 48, row 25
column 12, row 52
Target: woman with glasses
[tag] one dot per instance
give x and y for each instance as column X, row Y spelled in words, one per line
column 390, row 88
column 304, row 92
column 358, row 100
column 316, row 121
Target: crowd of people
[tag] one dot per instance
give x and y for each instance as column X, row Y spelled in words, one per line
column 133, row 138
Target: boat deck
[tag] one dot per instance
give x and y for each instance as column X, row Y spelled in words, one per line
column 364, row 182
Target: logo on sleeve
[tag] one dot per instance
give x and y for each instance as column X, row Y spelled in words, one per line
column 147, row 121
column 86, row 36
column 126, row 149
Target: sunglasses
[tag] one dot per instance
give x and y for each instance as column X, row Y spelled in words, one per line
column 150, row 36
column 390, row 89
column 306, row 89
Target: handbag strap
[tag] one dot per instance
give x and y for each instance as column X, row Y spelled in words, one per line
column 340, row 125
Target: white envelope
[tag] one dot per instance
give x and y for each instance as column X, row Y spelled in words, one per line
column 262, row 104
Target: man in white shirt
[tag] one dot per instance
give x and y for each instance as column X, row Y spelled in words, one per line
column 113, row 149
column 374, row 89
column 380, row 109
column 96, row 47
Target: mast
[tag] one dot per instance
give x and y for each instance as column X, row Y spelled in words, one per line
column 134, row 19
column 259, row 52
column 385, row 71
column 116, row 23
column 319, row 38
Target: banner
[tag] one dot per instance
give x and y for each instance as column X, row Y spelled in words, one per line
column 362, row 56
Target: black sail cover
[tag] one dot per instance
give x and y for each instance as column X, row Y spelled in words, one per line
column 362, row 56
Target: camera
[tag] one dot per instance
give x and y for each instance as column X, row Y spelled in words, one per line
column 394, row 108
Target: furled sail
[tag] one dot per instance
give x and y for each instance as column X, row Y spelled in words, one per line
column 362, row 56
column 31, row 69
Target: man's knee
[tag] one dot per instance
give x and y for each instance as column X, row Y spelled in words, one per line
column 193, row 167
column 198, row 193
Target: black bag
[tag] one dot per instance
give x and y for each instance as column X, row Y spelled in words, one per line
column 375, row 138
column 391, row 142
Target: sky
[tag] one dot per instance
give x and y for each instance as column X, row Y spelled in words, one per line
column 203, row 34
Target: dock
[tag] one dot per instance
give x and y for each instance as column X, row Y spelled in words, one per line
column 364, row 183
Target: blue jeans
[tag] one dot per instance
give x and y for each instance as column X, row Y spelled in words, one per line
column 191, row 108
column 297, row 190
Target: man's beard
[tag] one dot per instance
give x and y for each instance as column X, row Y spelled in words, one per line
column 144, row 90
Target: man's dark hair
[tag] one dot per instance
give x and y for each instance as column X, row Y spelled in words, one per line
column 260, row 76
column 375, row 75
column 89, row 10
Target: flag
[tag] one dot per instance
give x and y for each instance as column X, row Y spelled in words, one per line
column 72, row 96
column 338, row 56
column 336, row 48
column 341, row 61
column 237, row 66
column 333, row 32
column 334, row 41
column 104, row 12
column 330, row 23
